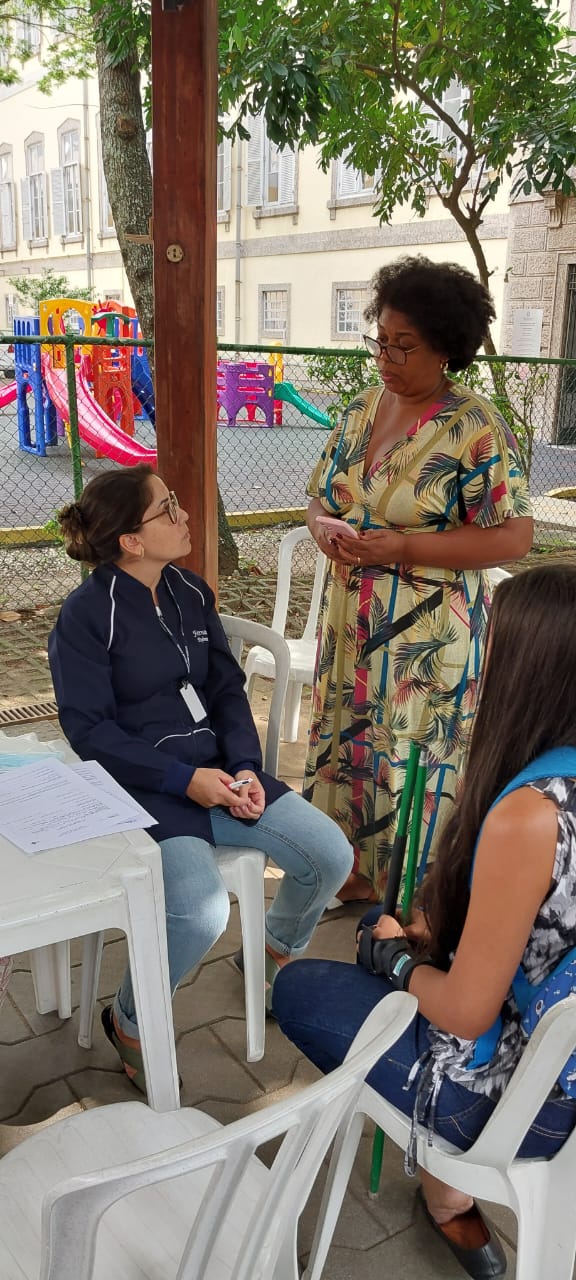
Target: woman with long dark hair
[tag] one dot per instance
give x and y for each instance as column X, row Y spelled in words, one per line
column 501, row 893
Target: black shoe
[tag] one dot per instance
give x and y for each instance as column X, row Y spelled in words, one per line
column 271, row 969
column 488, row 1260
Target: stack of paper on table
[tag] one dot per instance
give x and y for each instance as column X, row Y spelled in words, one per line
column 49, row 804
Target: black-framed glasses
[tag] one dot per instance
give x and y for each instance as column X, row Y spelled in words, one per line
column 171, row 509
column 396, row 355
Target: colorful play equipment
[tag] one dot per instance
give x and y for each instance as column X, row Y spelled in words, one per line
column 8, row 394
column 248, row 385
column 112, row 369
column 114, row 383
column 287, row 392
column 96, row 425
column 34, row 433
column 252, row 385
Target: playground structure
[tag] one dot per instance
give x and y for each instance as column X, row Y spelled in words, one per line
column 255, row 385
column 106, row 399
column 114, row 383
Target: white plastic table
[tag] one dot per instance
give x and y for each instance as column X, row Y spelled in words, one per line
column 104, row 883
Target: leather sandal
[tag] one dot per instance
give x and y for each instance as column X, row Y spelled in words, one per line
column 131, row 1058
column 487, row 1260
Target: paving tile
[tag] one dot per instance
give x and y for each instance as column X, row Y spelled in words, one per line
column 276, row 1069
column 11, row 1135
column 42, row 1104
column 98, row 1088
column 26, row 1067
column 216, row 992
column 208, row 1071
column 13, row 1025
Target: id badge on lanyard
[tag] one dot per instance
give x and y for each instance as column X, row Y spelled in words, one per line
column 193, row 702
column 187, row 690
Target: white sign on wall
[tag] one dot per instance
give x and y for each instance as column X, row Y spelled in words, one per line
column 527, row 331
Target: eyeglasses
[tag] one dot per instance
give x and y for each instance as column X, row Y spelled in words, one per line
column 396, row 355
column 171, row 509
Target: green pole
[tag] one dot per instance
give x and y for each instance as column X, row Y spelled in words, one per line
column 415, row 832
column 414, row 789
column 376, row 1165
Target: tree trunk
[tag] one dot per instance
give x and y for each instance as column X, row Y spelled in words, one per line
column 129, row 181
column 127, row 172
column 227, row 549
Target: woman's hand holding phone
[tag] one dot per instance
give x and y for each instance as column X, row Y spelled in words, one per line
column 337, row 528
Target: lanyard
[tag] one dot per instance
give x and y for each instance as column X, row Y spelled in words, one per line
column 182, row 648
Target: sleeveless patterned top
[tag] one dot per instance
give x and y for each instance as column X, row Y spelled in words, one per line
column 553, row 934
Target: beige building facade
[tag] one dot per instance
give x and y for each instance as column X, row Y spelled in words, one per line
column 297, row 247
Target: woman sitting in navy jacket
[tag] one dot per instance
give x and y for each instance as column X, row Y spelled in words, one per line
column 146, row 685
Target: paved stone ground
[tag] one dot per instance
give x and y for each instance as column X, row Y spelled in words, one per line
column 44, row 1074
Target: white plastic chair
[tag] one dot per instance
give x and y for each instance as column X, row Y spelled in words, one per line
column 110, row 882
column 539, row 1192
column 119, row 1193
column 497, row 575
column 242, row 871
column 302, row 651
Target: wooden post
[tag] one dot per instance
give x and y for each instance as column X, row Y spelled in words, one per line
column 184, row 110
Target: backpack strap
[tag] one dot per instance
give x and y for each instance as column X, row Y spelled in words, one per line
column 560, row 762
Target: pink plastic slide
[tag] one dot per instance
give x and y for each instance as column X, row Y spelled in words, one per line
column 95, row 427
column 8, row 394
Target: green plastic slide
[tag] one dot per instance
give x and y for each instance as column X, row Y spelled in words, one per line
column 285, row 391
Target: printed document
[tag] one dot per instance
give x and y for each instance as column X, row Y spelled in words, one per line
column 48, row 804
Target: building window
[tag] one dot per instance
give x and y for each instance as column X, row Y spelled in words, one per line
column 351, row 181
column 11, row 303
column 107, row 227
column 273, row 312
column 7, row 203
column 70, row 162
column 28, row 30
column 271, row 172
column 33, row 188
column 348, row 302
column 220, row 303
column 224, row 179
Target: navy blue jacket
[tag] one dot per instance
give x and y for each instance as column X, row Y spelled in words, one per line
column 117, row 676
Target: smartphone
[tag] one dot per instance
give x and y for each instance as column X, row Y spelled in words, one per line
column 333, row 525
column 242, row 782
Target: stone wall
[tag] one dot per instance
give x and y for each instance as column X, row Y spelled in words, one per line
column 541, row 246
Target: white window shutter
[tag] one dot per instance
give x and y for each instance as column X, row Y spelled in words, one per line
column 348, row 180
column 58, row 214
column 287, row 176
column 26, row 211
column 452, row 104
column 255, row 174
column 227, row 174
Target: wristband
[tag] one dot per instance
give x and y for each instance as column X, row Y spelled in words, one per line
column 391, row 958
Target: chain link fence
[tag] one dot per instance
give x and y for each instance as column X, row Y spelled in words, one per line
column 281, row 404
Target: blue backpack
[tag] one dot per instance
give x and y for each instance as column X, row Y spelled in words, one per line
column 534, row 1001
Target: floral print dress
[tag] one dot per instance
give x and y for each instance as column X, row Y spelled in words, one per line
column 400, row 646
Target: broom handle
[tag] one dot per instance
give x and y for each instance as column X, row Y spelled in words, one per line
column 415, row 832
column 399, row 847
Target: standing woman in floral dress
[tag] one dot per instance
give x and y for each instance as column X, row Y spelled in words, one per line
column 428, row 474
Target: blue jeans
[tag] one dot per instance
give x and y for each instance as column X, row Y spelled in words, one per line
column 321, row 1004
column 311, row 850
